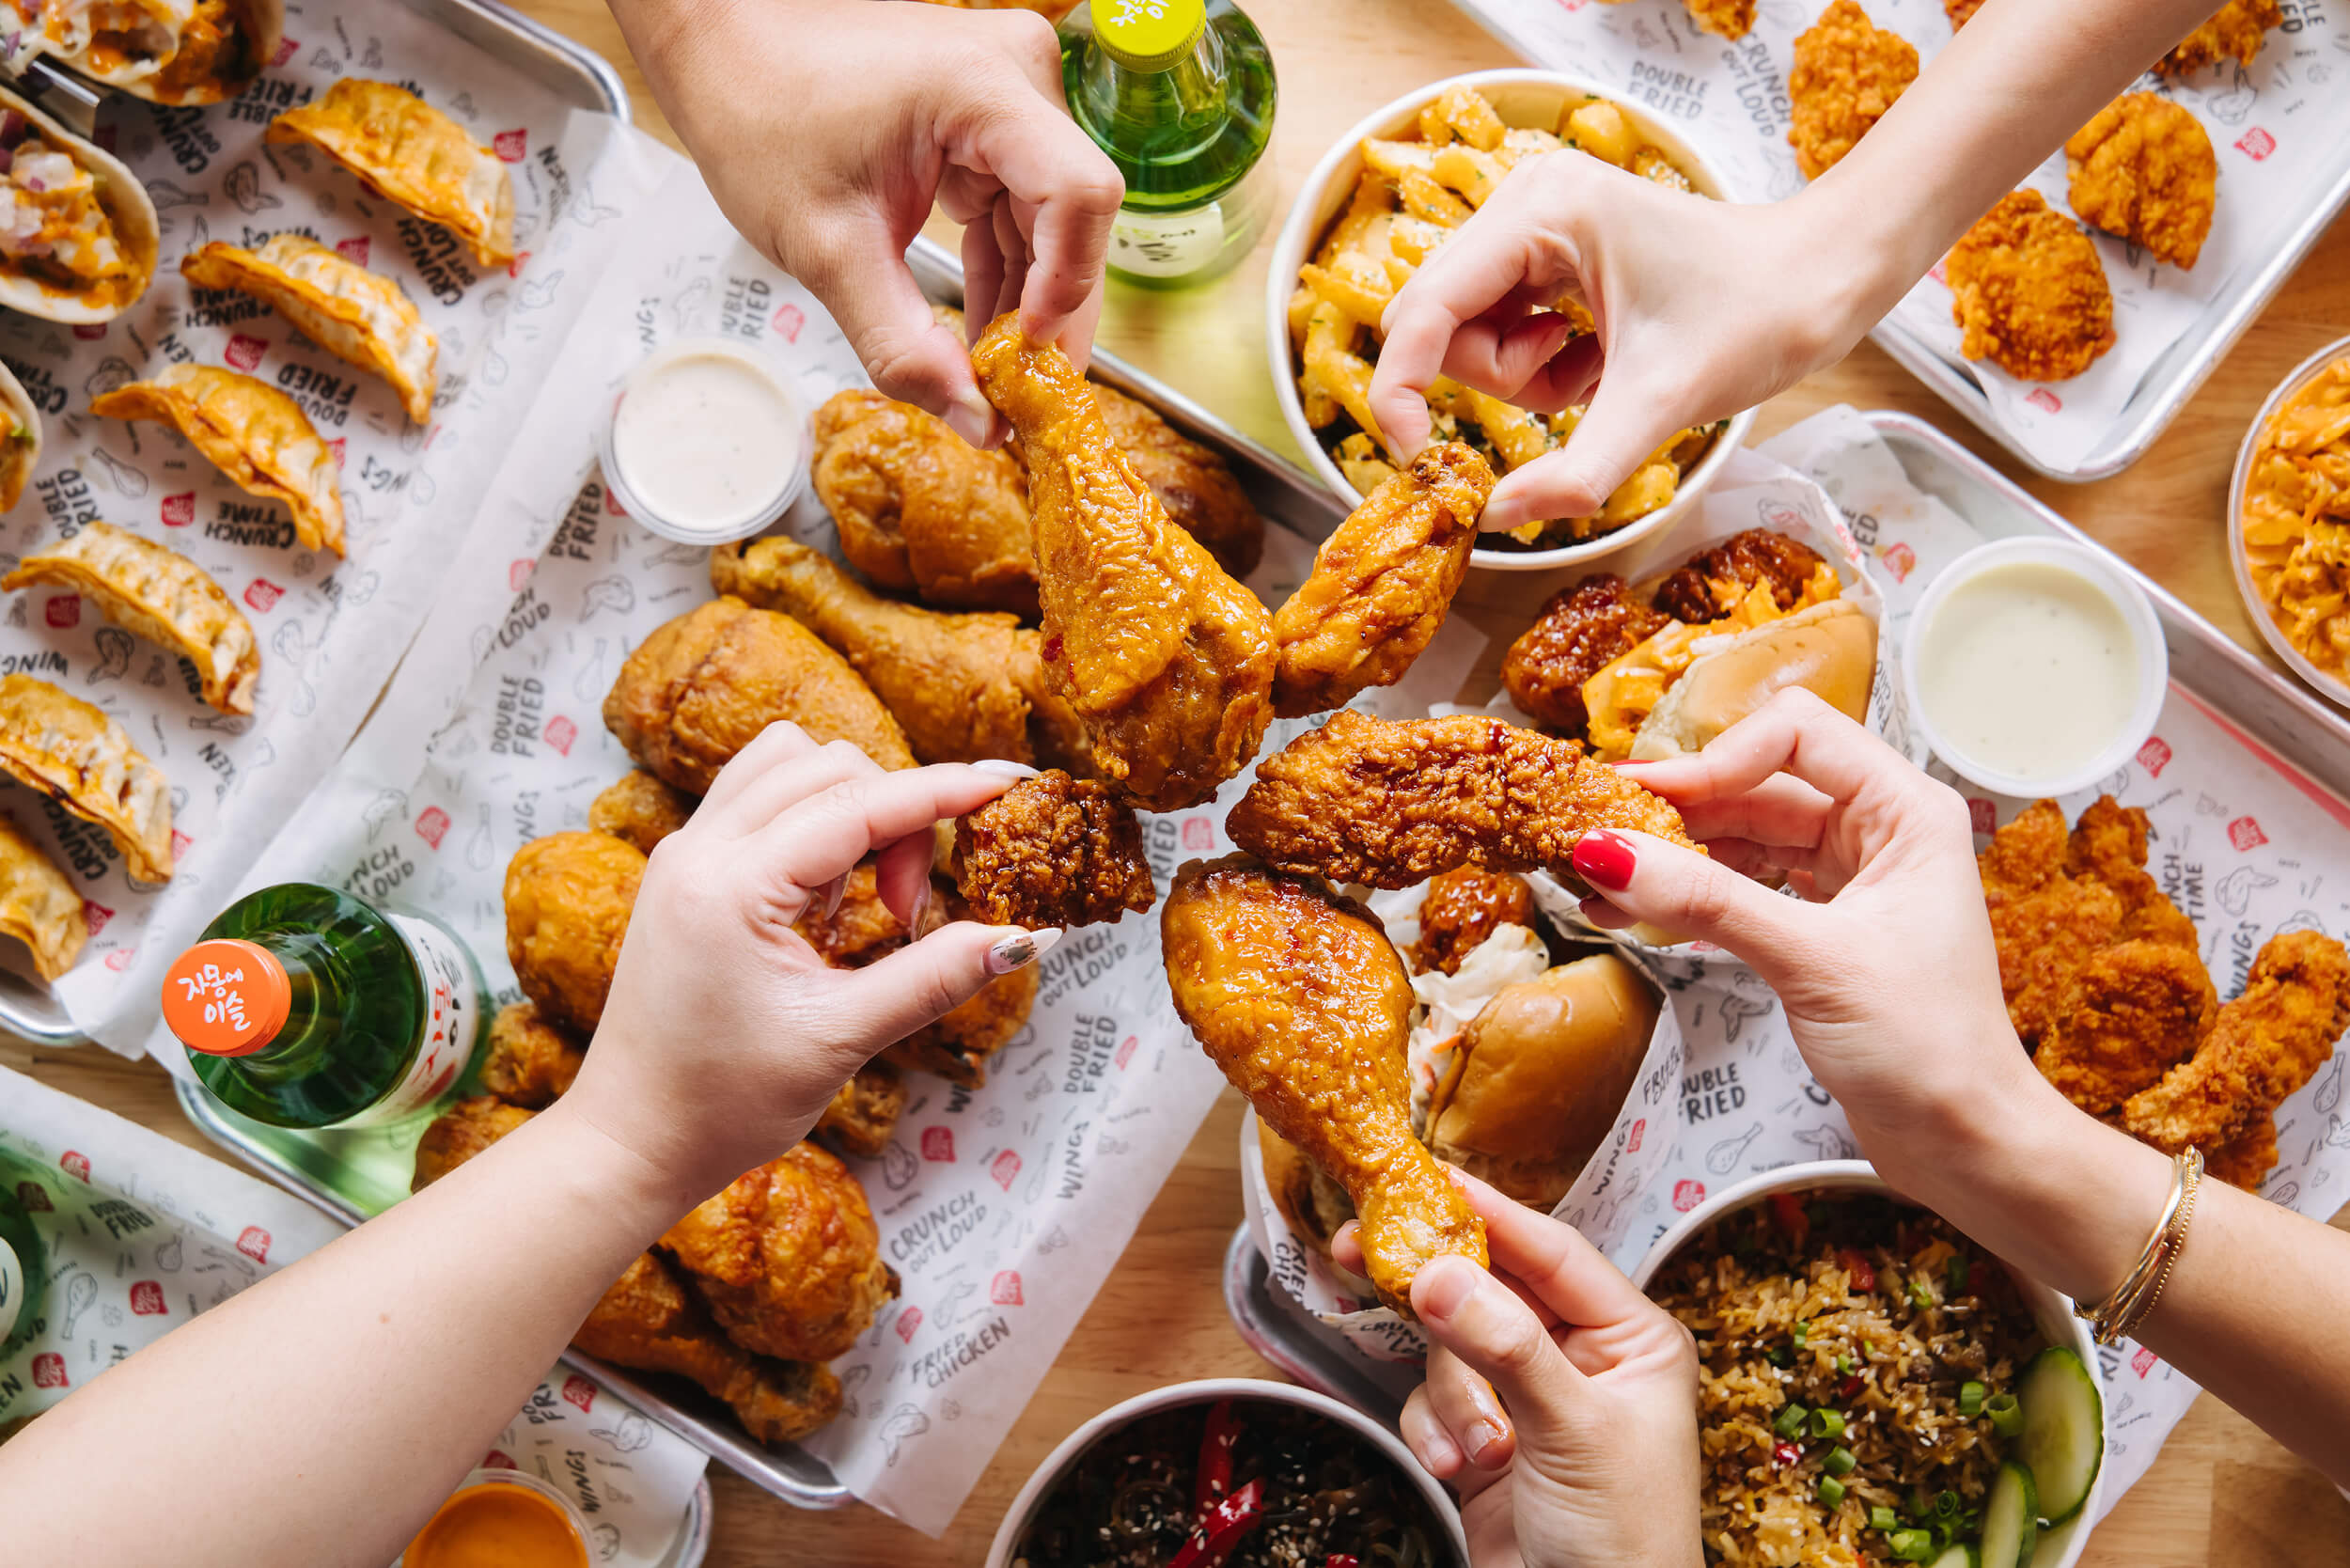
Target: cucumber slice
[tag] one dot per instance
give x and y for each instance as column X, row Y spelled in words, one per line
column 2011, row 1519
column 2063, row 1440
column 1958, row 1554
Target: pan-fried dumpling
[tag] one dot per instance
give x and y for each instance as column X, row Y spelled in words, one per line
column 85, row 761
column 358, row 316
column 38, row 903
column 250, row 431
column 407, row 150
column 162, row 596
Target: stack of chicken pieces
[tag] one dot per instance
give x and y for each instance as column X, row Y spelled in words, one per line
column 2105, row 985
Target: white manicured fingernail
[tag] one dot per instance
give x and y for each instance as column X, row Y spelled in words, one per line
column 1005, row 767
column 921, row 906
column 1019, row 950
column 834, row 890
column 971, row 418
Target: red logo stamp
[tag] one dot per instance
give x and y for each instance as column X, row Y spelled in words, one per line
column 1632, row 1141
column 612, row 503
column 432, row 826
column 518, row 572
column 90, row 332
column 908, row 1321
column 938, row 1145
column 1004, row 1290
column 2044, row 401
column 353, row 250
column 2142, row 1360
column 1003, row 1167
column 254, row 1242
column 2246, row 835
column 2256, row 144
column 1198, row 833
column 336, row 447
column 515, row 268
column 119, row 960
column 262, row 594
column 1900, row 559
column 34, row 1197
column 49, row 1371
column 286, row 50
column 789, row 320
column 1935, row 273
column 180, row 844
column 1981, row 815
column 560, row 733
column 180, row 510
column 75, row 1164
column 578, row 1391
column 146, row 1298
column 2153, row 756
column 95, row 915
column 64, row 610
column 1126, row 1049
column 1687, row 1195
column 511, row 146
column 244, row 354
column 495, row 1460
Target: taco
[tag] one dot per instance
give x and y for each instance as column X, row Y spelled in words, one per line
column 164, row 50
column 77, row 234
column 20, row 438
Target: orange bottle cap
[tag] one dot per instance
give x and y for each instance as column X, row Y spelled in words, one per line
column 227, row 996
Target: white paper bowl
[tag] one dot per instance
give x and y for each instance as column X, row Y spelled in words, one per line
column 1206, row 1392
column 2059, row 1546
column 1521, row 97
column 755, row 516
column 2099, row 569
column 2333, row 688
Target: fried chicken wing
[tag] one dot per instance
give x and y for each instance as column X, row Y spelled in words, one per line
column 2235, row 31
column 2265, row 1043
column 2027, row 286
column 1381, row 583
column 1711, row 584
column 1052, row 851
column 1365, row 800
column 865, row 1111
column 1198, row 491
column 1847, row 74
column 568, row 897
column 701, row 687
column 1461, row 908
column 529, row 1062
column 2143, row 168
column 1581, row 630
column 1299, row 996
column 639, row 809
column 1168, row 660
column 2137, row 1009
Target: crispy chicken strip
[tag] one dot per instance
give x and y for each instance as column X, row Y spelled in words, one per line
column 1847, row 72
column 2028, row 289
column 1168, row 660
column 1300, row 999
column 2043, row 939
column 1381, row 583
column 2265, row 1044
column 1384, row 804
column 2235, row 31
column 2023, row 854
column 2138, row 1008
column 2143, row 168
column 2245, row 1159
column 1052, row 851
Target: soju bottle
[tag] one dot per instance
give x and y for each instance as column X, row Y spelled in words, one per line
column 1180, row 94
column 24, row 1264
column 305, row 1007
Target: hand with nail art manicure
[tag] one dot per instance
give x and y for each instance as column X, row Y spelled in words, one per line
column 725, row 1035
column 1561, row 1402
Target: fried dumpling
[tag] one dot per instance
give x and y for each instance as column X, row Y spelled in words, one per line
column 85, row 761
column 407, row 150
column 161, row 595
column 250, row 431
column 38, row 903
column 359, row 317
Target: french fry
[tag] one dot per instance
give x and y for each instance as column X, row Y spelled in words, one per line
column 1423, row 197
column 1354, row 283
column 1331, row 360
column 1649, row 488
column 1414, row 239
column 1463, row 112
column 1370, row 199
column 1651, row 164
column 1518, row 437
column 1476, row 175
column 1601, row 130
column 1392, row 161
column 1359, row 459
column 1526, row 142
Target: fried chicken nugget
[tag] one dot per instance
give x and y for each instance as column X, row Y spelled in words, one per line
column 1464, row 907
column 1052, row 851
column 1848, row 72
column 2027, row 286
column 2143, row 168
column 2044, row 938
column 2235, row 31
column 1580, row 631
column 2024, row 854
column 2139, row 1009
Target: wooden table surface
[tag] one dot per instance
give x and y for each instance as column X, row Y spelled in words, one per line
column 2221, row 1493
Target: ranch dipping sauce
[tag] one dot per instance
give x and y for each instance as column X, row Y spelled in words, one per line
column 706, row 445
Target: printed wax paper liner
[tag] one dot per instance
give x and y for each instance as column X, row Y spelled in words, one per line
column 2271, row 125
column 144, row 1233
column 1002, row 1208
column 330, row 630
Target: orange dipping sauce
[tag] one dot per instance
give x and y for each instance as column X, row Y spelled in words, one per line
column 497, row 1525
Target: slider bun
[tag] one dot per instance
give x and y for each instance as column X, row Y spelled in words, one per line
column 1830, row 649
column 1314, row 1205
column 1540, row 1076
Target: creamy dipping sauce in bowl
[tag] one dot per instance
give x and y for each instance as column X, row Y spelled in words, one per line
column 2033, row 667
column 706, row 444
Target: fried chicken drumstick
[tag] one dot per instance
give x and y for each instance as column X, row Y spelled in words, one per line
column 1168, row 660
column 1389, row 805
column 1301, row 1000
column 1052, row 851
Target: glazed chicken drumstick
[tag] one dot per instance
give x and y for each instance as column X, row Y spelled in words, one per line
column 1299, row 997
column 1168, row 660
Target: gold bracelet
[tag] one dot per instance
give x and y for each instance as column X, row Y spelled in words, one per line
column 2135, row 1296
column 2175, row 1243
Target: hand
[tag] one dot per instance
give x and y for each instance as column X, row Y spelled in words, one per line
column 726, row 1036
column 827, row 129
column 1600, row 1383
column 1702, row 308
column 1885, row 963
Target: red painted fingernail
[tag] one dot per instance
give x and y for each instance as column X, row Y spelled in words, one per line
column 1604, row 860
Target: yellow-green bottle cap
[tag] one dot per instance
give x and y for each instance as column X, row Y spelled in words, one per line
column 1149, row 35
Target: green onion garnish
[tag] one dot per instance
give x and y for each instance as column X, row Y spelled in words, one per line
column 1958, row 1273
column 1843, row 1365
column 1911, row 1545
column 1945, row 1508
column 1919, row 1295
column 1840, row 1461
column 1970, row 1400
column 1827, row 1423
column 1803, row 1332
column 2007, row 1416
column 1790, row 1420
column 1880, row 1518
column 1832, row 1492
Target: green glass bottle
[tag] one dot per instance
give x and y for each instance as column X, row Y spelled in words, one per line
column 1180, row 94
column 305, row 1007
column 24, row 1261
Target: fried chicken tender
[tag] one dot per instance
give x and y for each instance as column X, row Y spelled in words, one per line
column 1168, row 661
column 1580, row 631
column 1461, row 908
column 2024, row 854
column 1959, row 11
column 529, row 1062
column 568, row 897
column 864, row 1112
column 1847, row 74
column 639, row 809
column 1200, row 493
column 2108, row 844
column 1729, row 19
column 1381, row 583
column 2245, row 1159
column 2044, row 938
column 2143, row 168
column 962, row 686
column 788, row 1257
column 1052, row 851
column 1297, row 996
column 1387, row 804
column 2028, row 288
column 1712, row 583
column 2137, row 1009
column 2265, row 1043
column 2235, row 31
column 701, row 687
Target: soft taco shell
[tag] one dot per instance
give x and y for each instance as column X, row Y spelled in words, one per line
column 19, row 442
column 411, row 153
column 361, row 318
column 38, row 903
column 219, row 47
column 250, row 431
column 85, row 761
column 159, row 594
column 129, row 213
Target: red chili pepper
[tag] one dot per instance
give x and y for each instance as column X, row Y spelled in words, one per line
column 1784, row 1455
column 1864, row 1277
column 1214, row 1473
column 1220, row 1529
column 1850, row 1387
column 1342, row 1559
column 1790, row 1214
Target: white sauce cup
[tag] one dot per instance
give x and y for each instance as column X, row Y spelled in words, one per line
column 771, row 461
